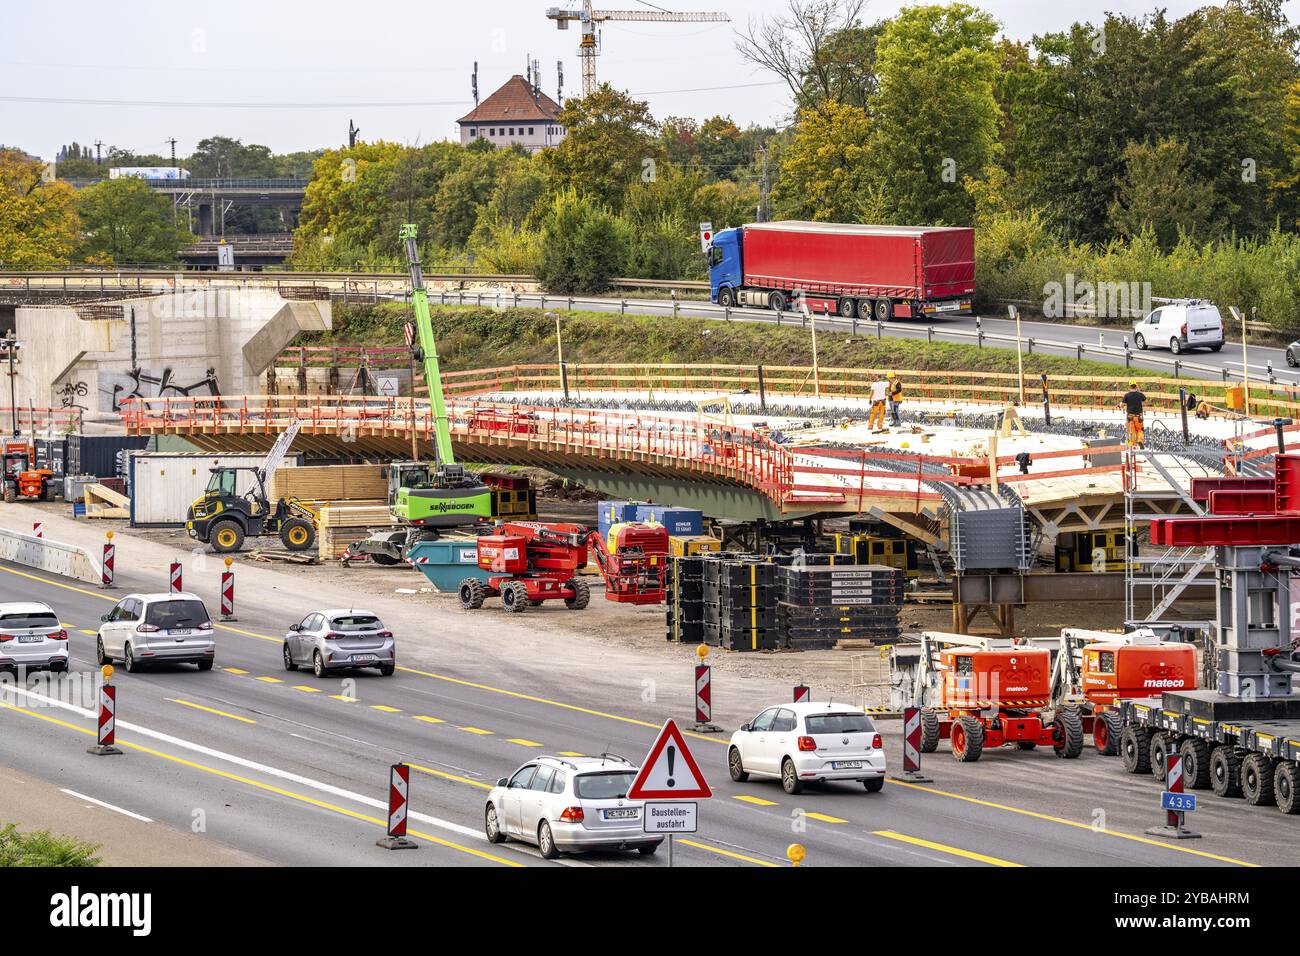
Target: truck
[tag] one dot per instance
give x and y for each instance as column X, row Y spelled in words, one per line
column 148, row 172
column 856, row 271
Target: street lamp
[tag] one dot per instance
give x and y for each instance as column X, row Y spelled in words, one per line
column 12, row 345
column 1020, row 361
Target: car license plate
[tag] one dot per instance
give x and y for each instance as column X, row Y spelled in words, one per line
column 30, row 638
column 364, row 658
column 624, row 813
column 180, row 632
column 846, row 765
column 947, row 307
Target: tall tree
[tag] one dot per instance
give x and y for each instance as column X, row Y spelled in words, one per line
column 1159, row 195
column 818, row 48
column 824, row 168
column 38, row 219
column 126, row 222
column 611, row 143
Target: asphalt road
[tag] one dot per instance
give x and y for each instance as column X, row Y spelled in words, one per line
column 294, row 770
column 1101, row 344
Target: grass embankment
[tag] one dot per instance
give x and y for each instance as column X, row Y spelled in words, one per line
column 470, row 338
column 43, row 849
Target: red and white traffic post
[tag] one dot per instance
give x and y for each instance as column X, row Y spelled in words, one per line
column 1175, row 802
column 704, row 695
column 399, row 791
column 107, row 736
column 38, row 529
column 912, row 748
column 228, row 592
column 803, row 694
column 110, row 560
column 174, row 578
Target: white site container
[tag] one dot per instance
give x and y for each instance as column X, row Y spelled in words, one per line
column 163, row 484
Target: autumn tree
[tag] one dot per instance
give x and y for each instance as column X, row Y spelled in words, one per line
column 127, row 222
column 38, row 219
column 1159, row 194
column 611, row 143
column 824, row 168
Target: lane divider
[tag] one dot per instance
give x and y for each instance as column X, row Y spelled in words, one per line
column 944, row 848
column 209, row 710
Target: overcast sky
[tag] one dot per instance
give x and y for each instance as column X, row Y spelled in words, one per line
column 353, row 55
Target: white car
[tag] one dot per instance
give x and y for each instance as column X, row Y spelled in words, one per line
column 31, row 638
column 1186, row 324
column 563, row 804
column 149, row 629
column 808, row 743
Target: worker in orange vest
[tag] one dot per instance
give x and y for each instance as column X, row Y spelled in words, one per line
column 895, row 399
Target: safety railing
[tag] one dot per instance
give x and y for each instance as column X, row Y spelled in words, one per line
column 33, row 420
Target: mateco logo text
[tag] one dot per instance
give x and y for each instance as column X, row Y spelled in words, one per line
column 1164, row 682
column 74, row 910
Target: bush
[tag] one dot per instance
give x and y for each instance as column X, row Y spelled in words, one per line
column 582, row 247
column 43, row 848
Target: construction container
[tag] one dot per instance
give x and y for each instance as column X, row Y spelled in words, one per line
column 74, row 487
column 679, row 521
column 98, row 454
column 894, row 551
column 51, row 453
column 687, row 545
column 614, row 512
column 163, row 484
column 447, row 562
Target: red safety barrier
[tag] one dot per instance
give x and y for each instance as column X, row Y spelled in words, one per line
column 399, row 791
column 38, row 529
column 174, row 578
column 703, row 693
column 107, row 735
column 802, row 694
column 227, row 595
column 107, row 568
column 912, row 747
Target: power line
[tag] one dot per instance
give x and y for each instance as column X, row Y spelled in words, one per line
column 77, row 101
column 710, row 89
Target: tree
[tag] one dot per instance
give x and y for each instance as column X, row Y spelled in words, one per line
column 583, row 246
column 611, row 143
column 824, row 168
column 38, row 220
column 463, row 192
column 222, row 157
column 935, row 120
column 126, row 222
column 1159, row 195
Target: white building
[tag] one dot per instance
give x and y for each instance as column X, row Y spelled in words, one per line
column 515, row 115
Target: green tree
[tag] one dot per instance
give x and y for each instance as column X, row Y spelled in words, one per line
column 824, row 168
column 611, row 143
column 39, row 226
column 126, row 222
column 583, row 246
column 1159, row 195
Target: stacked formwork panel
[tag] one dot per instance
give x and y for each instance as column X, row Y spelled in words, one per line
column 740, row 604
column 684, row 581
column 822, row 605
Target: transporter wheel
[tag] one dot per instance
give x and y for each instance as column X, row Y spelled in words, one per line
column 1217, row 348
column 1161, row 745
column 967, row 739
column 514, row 597
column 929, row 730
column 848, row 308
column 726, row 297
column 884, row 310
column 1067, row 733
column 1140, row 341
column 1106, row 730
column 472, row 592
column 776, row 302
column 790, row 781
column 1195, row 753
column 735, row 766
column 1286, row 781
column 1257, row 780
column 866, row 309
column 581, row 595
column 226, row 536
column 1225, row 771
column 11, row 492
column 297, row 534
column 1135, row 749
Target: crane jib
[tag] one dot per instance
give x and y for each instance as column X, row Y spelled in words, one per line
column 429, row 348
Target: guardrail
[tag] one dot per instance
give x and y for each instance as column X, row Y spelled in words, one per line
column 29, row 418
column 69, row 560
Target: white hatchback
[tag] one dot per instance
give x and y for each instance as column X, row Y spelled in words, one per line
column 31, row 638
column 808, row 743
column 1186, row 324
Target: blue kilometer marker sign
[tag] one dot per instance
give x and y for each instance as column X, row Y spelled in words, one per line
column 1178, row 802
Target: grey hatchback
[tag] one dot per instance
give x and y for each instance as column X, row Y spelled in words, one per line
column 340, row 639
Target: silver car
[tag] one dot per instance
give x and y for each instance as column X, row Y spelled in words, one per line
column 31, row 638
column 342, row 639
column 566, row 804
column 149, row 629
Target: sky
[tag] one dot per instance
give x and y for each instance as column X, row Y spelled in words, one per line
column 291, row 74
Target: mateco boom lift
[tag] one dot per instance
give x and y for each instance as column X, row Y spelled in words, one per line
column 1243, row 737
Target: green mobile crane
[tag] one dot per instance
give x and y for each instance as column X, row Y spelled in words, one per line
column 426, row 498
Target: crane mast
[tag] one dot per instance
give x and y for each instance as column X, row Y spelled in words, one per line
column 589, row 45
column 444, row 456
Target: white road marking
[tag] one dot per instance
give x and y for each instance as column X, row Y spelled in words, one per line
column 106, row 806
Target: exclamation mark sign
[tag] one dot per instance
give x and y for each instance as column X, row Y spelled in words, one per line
column 672, row 759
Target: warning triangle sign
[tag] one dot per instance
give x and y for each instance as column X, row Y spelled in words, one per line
column 669, row 771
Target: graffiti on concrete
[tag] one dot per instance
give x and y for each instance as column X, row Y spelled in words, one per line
column 68, row 394
column 141, row 381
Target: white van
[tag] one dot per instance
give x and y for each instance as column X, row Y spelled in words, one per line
column 1179, row 325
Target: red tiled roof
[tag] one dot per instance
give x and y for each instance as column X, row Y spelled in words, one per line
column 514, row 103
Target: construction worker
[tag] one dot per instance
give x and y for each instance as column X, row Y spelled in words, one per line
column 879, row 394
column 1134, row 401
column 895, row 399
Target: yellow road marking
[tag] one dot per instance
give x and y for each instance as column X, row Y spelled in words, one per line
column 69, row 624
column 824, row 818
column 524, row 743
column 386, row 709
column 476, row 730
column 430, row 720
column 209, row 710
column 944, row 848
column 86, row 630
column 303, row 798
column 269, row 680
column 756, row 801
column 235, row 670
column 721, row 852
column 571, row 753
column 306, row 689
column 345, row 698
column 450, row 776
column 1070, row 823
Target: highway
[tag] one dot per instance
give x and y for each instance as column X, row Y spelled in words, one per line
column 293, row 770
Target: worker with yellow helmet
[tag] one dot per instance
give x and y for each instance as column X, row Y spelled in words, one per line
column 1134, row 401
column 895, row 399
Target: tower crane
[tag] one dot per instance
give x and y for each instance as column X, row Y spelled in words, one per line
column 588, row 47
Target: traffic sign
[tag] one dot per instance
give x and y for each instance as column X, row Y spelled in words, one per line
column 706, row 235
column 671, row 818
column 408, row 333
column 669, row 772
column 1179, row 802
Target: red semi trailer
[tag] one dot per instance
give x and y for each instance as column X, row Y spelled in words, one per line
column 854, row 270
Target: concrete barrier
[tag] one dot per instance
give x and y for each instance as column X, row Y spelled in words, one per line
column 68, row 560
